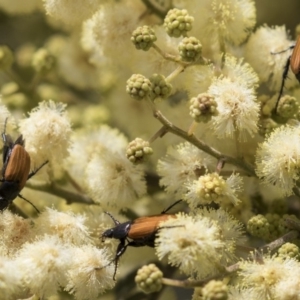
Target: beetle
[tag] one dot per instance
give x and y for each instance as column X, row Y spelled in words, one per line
column 15, row 170
column 293, row 61
column 137, row 233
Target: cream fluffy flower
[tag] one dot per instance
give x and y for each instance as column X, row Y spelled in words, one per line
column 110, row 29
column 182, row 163
column 72, row 13
column 213, row 188
column 47, row 133
column 10, row 280
column 233, row 232
column 113, row 181
column 237, row 106
column 278, row 158
column 231, row 20
column 265, row 278
column 86, row 278
column 100, row 155
column 42, row 265
column 269, row 67
column 70, row 228
column 15, row 231
column 194, row 245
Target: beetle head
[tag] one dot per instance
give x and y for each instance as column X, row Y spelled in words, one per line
column 108, row 233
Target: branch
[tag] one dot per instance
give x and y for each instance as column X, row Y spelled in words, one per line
column 187, row 283
column 200, row 144
column 288, row 237
column 69, row 196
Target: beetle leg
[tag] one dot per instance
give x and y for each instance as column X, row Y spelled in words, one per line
column 36, row 170
column 168, row 208
column 120, row 251
column 284, row 76
column 29, row 202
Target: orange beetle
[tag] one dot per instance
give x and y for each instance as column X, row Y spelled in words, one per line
column 137, row 233
column 294, row 62
column 15, row 170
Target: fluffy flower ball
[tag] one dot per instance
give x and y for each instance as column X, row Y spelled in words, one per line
column 278, row 159
column 47, row 133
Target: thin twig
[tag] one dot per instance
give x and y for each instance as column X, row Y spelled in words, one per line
column 69, row 196
column 200, row 144
column 288, row 237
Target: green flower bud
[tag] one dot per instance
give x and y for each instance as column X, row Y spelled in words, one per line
column 203, row 107
column 287, row 107
column 178, row 22
column 190, row 49
column 149, row 279
column 215, row 290
column 138, row 150
column 138, row 86
column 258, row 226
column 160, row 87
column 274, row 221
column 143, row 38
column 289, row 250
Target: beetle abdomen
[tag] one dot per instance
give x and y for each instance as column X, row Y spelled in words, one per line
column 146, row 226
column 18, row 166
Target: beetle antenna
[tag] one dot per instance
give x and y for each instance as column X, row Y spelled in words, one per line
column 168, row 208
column 282, row 51
column 36, row 170
column 115, row 221
column 284, row 76
column 29, row 203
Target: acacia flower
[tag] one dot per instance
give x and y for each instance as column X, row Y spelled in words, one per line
column 233, row 231
column 237, row 106
column 86, row 278
column 110, row 178
column 265, row 279
column 47, row 133
column 278, row 159
column 213, row 188
column 70, row 228
column 42, row 265
column 10, row 280
column 15, row 231
column 231, row 20
column 80, row 10
column 182, row 163
column 113, row 180
column 269, row 67
column 194, row 245
column 110, row 29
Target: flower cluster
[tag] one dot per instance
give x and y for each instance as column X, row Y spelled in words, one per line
column 203, row 168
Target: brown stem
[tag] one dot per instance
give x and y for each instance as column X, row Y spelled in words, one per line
column 159, row 134
column 288, row 237
column 69, row 196
column 168, row 56
column 200, row 144
column 197, row 283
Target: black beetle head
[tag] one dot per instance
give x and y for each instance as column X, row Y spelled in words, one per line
column 109, row 233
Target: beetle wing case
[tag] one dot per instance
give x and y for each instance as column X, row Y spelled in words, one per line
column 295, row 59
column 18, row 166
column 146, row 226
